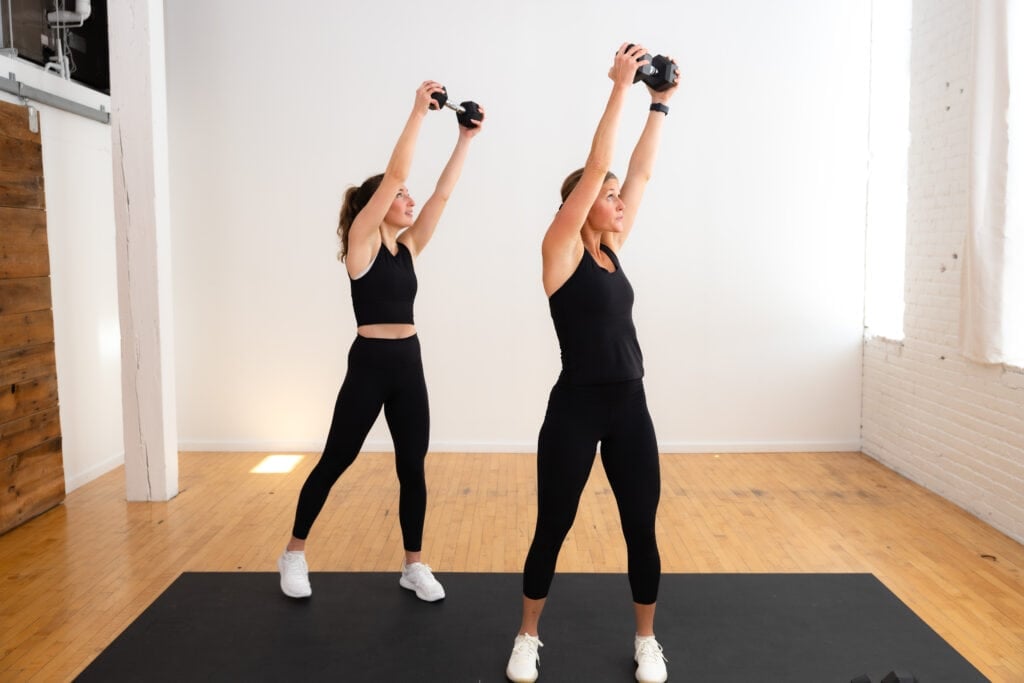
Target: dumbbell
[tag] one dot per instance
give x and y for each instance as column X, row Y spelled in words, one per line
column 465, row 111
column 659, row 72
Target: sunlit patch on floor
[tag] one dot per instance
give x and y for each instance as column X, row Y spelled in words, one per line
column 277, row 464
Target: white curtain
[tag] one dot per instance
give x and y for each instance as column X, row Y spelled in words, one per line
column 992, row 301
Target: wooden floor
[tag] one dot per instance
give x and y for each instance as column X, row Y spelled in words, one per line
column 75, row 577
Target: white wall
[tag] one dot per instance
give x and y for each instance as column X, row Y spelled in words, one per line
column 83, row 276
column 952, row 425
column 747, row 260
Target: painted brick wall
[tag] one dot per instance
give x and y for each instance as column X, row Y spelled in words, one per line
column 952, row 425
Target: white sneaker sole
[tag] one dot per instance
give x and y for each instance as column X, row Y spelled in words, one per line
column 409, row 586
column 652, row 680
column 522, row 679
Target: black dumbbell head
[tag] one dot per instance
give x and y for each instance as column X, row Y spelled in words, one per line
column 470, row 111
column 665, row 74
column 440, row 98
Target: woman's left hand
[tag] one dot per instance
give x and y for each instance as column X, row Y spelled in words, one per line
column 470, row 133
column 665, row 95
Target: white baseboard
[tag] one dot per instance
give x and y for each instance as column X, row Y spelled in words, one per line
column 260, row 446
column 75, row 480
column 759, row 447
column 378, row 445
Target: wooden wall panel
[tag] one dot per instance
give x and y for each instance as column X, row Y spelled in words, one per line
column 14, row 124
column 20, row 155
column 24, row 398
column 31, row 483
column 28, row 432
column 21, row 189
column 18, row 365
column 25, row 329
column 21, row 161
column 24, row 251
column 23, row 295
column 31, row 459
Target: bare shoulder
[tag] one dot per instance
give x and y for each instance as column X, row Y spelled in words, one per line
column 560, row 262
column 406, row 239
column 361, row 253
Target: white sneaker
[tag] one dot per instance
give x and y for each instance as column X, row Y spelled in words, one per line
column 294, row 574
column 418, row 577
column 650, row 660
column 522, row 665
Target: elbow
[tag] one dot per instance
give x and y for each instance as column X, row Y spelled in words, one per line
column 442, row 192
column 641, row 174
column 599, row 162
column 395, row 175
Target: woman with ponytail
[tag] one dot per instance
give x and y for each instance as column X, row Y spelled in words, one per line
column 380, row 237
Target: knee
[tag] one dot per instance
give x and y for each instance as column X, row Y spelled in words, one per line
column 410, row 471
column 640, row 536
column 330, row 468
column 551, row 532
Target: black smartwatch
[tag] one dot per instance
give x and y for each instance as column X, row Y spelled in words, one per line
column 658, row 106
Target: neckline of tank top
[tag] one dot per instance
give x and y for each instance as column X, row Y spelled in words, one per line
column 611, row 256
column 618, row 268
column 398, row 249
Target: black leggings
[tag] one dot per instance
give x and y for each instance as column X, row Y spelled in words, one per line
column 577, row 418
column 388, row 373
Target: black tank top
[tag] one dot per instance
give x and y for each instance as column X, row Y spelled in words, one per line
column 386, row 292
column 593, row 316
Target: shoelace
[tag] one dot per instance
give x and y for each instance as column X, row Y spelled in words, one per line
column 650, row 649
column 294, row 561
column 528, row 646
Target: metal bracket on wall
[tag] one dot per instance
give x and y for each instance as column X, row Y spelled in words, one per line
column 27, row 92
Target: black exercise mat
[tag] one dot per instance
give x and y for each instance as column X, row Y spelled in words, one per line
column 735, row 628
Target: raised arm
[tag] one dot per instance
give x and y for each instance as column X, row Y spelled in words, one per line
column 364, row 235
column 562, row 243
column 641, row 166
column 420, row 232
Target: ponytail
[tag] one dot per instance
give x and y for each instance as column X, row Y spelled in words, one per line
column 356, row 199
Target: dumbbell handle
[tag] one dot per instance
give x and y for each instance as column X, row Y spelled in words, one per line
column 466, row 112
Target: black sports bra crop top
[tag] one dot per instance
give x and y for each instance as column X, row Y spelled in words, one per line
column 386, row 292
column 593, row 316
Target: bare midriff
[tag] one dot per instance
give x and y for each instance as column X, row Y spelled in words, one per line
column 386, row 331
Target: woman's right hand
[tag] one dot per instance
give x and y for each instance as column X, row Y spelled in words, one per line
column 424, row 101
column 624, row 68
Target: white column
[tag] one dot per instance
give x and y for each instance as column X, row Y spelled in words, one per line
column 138, row 88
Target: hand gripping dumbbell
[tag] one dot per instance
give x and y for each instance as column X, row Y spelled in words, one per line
column 465, row 111
column 659, row 73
